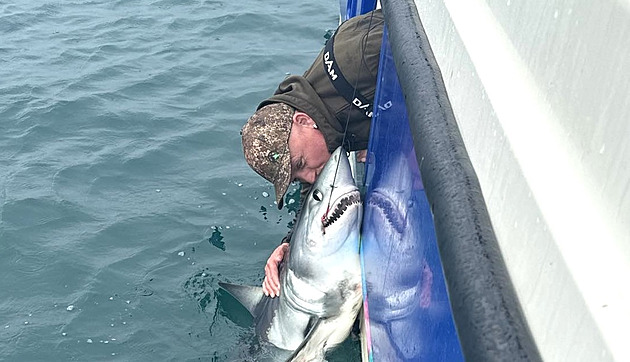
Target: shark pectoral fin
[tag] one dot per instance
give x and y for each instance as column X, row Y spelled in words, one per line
column 248, row 296
column 306, row 340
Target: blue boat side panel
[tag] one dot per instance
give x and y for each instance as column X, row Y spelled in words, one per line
column 357, row 7
column 407, row 311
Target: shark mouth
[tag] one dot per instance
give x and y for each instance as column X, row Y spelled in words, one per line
column 389, row 210
column 341, row 207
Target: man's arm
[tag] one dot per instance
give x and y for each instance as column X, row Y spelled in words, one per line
column 271, row 283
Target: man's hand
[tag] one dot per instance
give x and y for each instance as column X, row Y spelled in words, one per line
column 271, row 284
column 361, row 156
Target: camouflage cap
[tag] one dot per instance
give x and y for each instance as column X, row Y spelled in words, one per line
column 265, row 139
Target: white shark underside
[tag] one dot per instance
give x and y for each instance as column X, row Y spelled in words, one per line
column 321, row 274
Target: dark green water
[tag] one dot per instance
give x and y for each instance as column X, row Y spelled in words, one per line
column 124, row 197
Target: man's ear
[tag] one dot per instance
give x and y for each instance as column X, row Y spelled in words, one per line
column 303, row 119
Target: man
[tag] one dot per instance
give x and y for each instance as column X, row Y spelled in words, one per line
column 293, row 133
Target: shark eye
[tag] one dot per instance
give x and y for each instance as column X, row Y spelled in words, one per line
column 317, row 195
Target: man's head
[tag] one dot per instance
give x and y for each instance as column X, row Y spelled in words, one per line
column 282, row 145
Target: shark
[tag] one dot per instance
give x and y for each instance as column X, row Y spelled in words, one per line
column 320, row 278
column 398, row 277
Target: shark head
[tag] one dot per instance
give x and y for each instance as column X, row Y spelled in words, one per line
column 331, row 214
column 390, row 207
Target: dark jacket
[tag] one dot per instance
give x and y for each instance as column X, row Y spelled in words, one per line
column 357, row 46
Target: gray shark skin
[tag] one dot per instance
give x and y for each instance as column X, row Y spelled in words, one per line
column 320, row 281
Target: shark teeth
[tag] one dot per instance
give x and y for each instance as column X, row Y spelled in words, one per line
column 389, row 210
column 340, row 208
